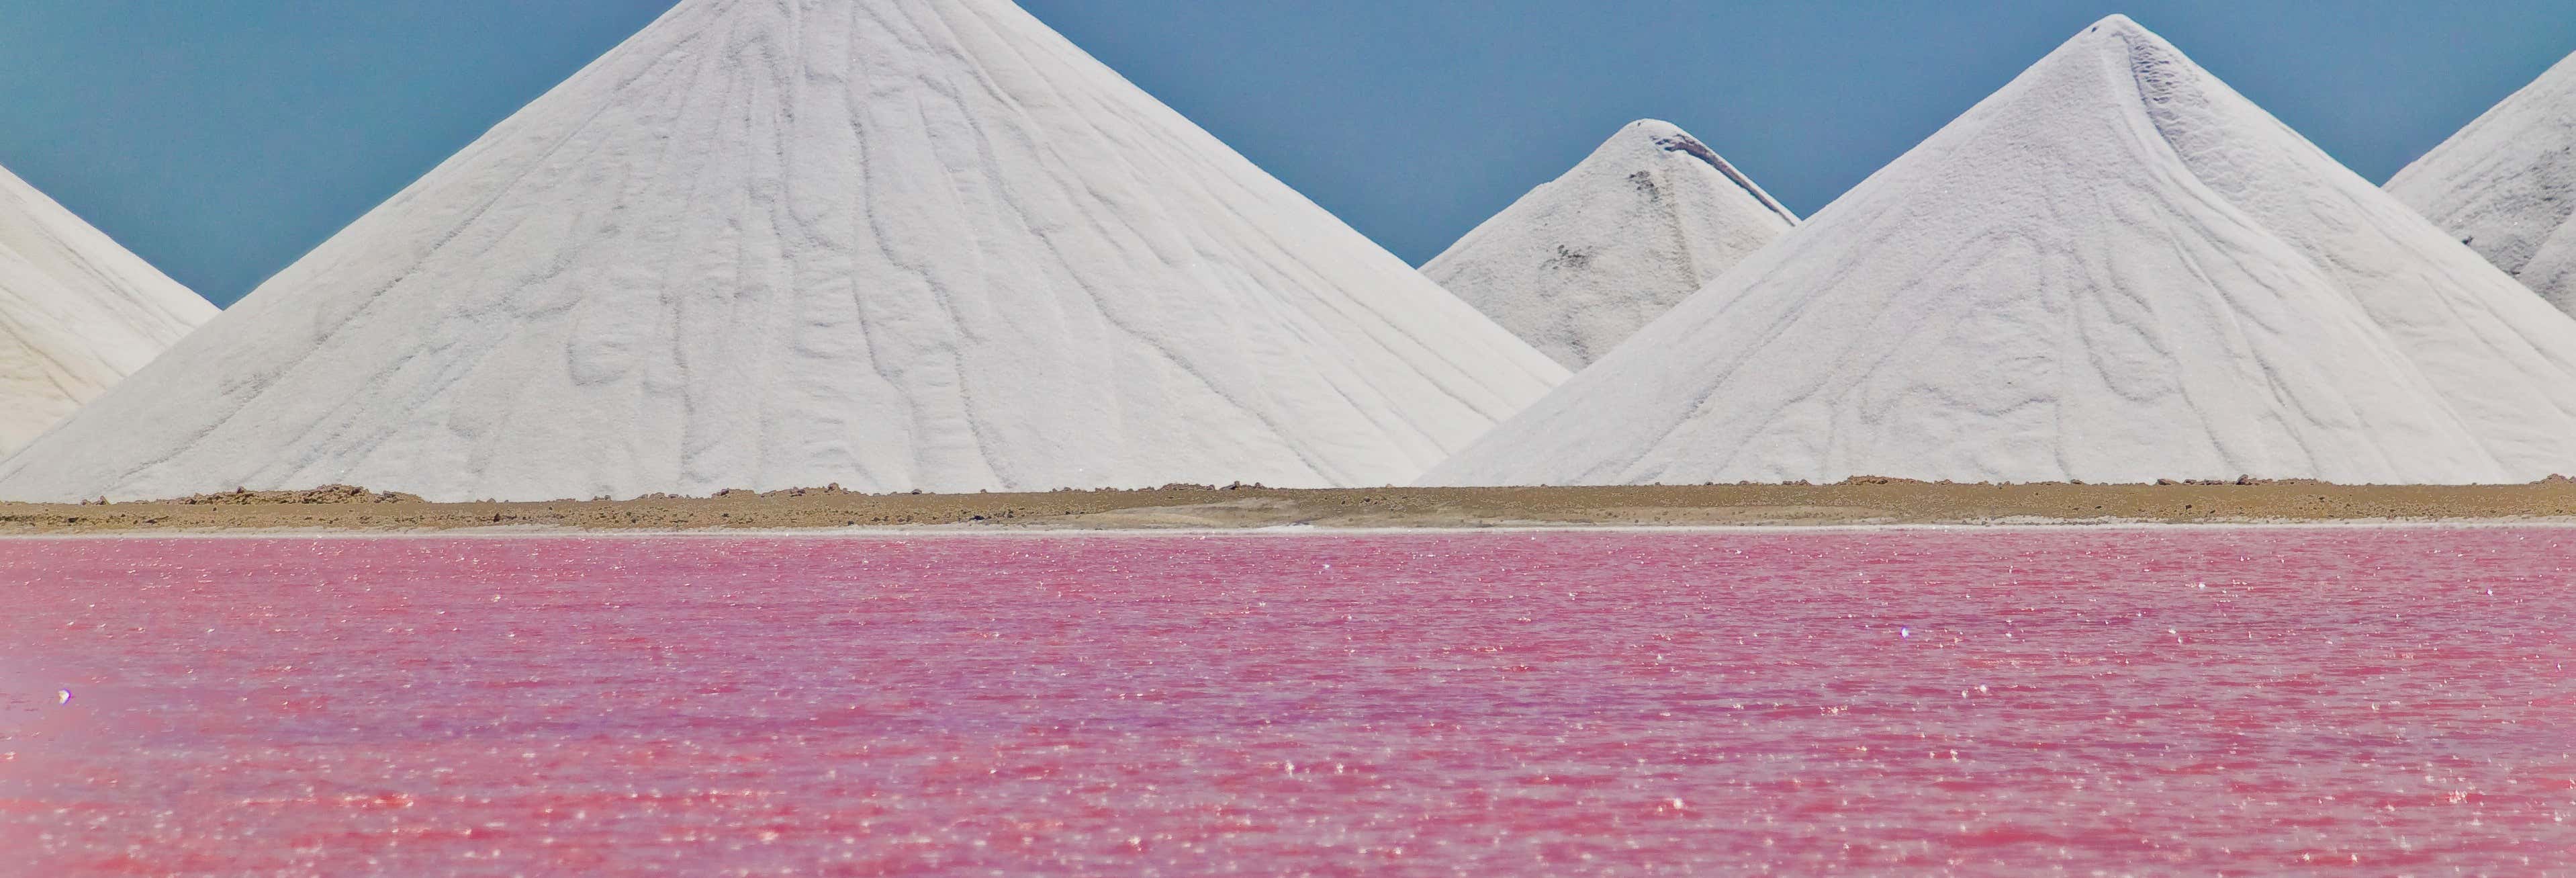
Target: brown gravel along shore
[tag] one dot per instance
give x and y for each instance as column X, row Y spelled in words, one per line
column 1855, row 502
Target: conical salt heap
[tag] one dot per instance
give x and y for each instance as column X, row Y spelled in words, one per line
column 893, row 244
column 2115, row 269
column 1578, row 264
column 78, row 313
column 2506, row 185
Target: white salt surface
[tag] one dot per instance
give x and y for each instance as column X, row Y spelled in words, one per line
column 78, row 313
column 2507, row 185
column 894, row 244
column 1578, row 264
column 2114, row 269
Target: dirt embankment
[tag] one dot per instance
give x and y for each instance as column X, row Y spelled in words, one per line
column 1859, row 501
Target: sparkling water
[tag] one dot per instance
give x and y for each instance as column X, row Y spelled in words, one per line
column 2209, row 701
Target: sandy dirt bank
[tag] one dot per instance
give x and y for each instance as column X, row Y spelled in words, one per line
column 1849, row 503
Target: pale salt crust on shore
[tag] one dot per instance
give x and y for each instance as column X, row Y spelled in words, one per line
column 2114, row 269
column 78, row 312
column 2506, row 185
column 1578, row 264
column 891, row 244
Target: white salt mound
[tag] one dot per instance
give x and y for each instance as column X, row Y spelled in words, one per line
column 893, row 244
column 78, row 313
column 2506, row 185
column 1578, row 264
column 2114, row 269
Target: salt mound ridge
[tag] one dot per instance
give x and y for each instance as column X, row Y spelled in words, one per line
column 1578, row 264
column 2506, row 185
column 893, row 244
column 78, row 313
column 2114, row 269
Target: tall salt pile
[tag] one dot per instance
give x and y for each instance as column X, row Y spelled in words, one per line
column 893, row 244
column 1578, row 264
column 2506, row 185
column 2114, row 269
column 78, row 313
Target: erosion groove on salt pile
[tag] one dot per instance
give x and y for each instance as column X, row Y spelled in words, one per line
column 2114, row 269
column 78, row 313
column 1578, row 264
column 2506, row 185
column 894, row 244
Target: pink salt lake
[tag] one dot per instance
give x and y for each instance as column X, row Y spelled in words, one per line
column 2206, row 701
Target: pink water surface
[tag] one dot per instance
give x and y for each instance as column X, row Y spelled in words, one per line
column 2375, row 701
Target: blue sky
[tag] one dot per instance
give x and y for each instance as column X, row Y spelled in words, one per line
column 221, row 140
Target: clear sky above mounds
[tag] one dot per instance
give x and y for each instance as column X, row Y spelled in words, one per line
column 223, row 140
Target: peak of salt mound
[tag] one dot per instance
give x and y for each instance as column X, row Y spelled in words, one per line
column 78, row 313
column 2506, row 185
column 1578, row 264
column 894, row 244
column 2114, row 269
